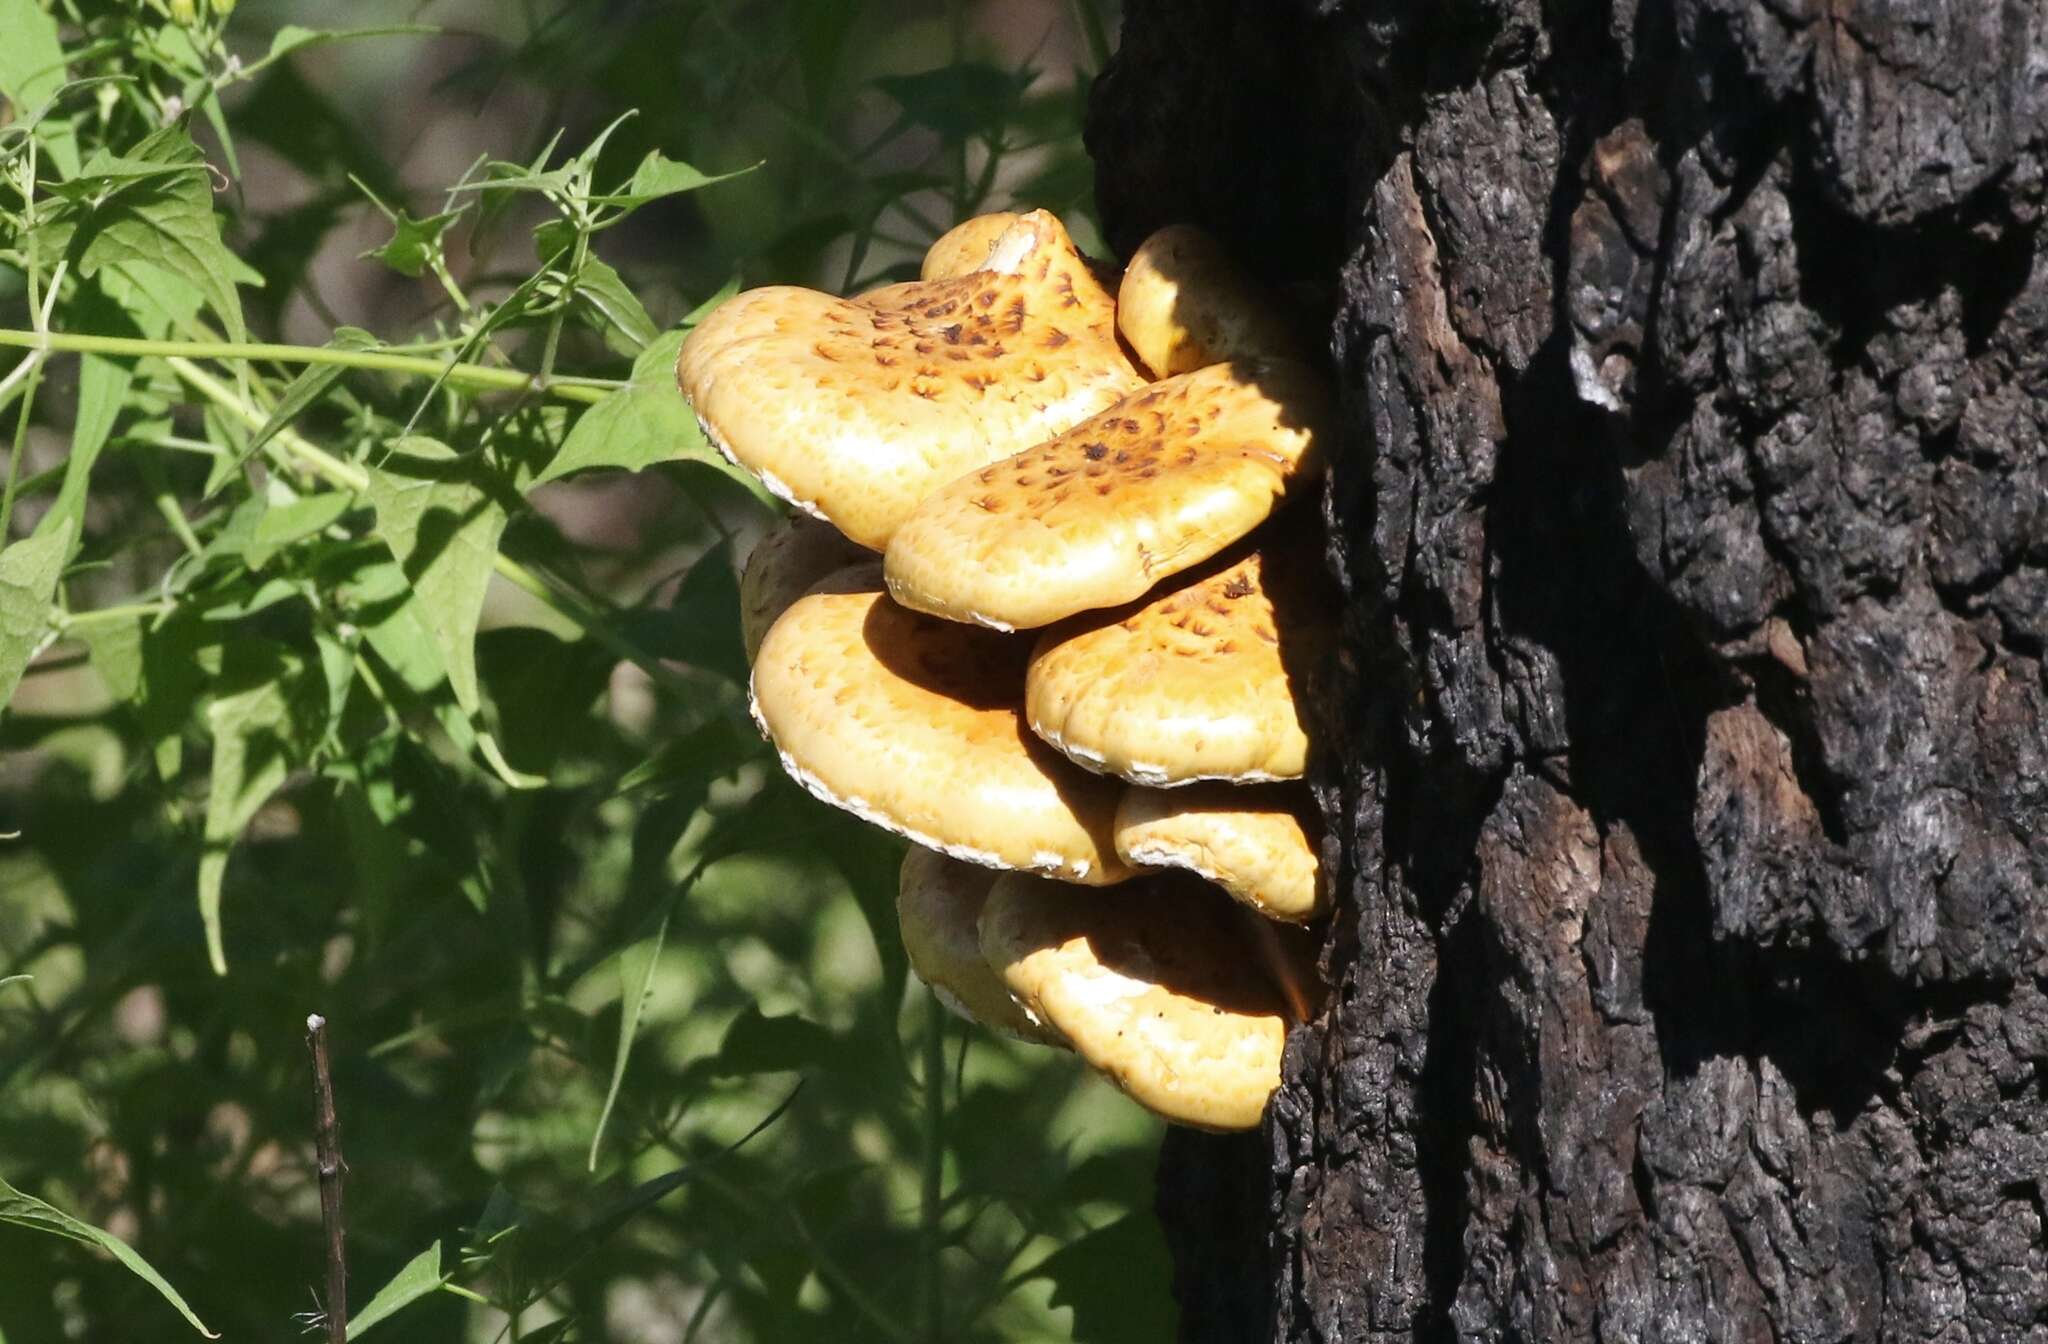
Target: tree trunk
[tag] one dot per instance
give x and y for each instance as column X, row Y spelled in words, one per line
column 1688, row 779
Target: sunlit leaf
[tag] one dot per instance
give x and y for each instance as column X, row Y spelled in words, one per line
column 258, row 734
column 641, row 424
column 420, row 1278
column 658, row 175
column 32, row 1213
column 442, row 519
column 28, row 576
column 167, row 224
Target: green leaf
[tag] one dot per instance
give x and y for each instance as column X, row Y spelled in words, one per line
column 637, row 965
column 960, row 100
column 282, row 525
column 442, row 520
column 257, row 732
column 645, row 422
column 163, row 224
column 1116, row 1279
column 442, row 526
column 28, row 577
column 304, row 390
column 659, row 175
column 292, row 37
column 32, row 1213
column 31, row 59
column 420, row 1278
column 103, row 383
column 415, row 243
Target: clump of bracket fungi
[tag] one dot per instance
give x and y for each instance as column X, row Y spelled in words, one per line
column 1050, row 617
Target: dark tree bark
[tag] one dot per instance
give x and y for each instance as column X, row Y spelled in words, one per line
column 1688, row 776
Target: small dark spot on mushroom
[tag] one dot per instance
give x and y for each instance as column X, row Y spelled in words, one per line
column 886, row 361
column 1055, row 338
column 1104, row 487
column 1123, row 455
column 985, row 503
column 819, row 349
column 952, row 333
column 1239, row 586
column 1095, row 452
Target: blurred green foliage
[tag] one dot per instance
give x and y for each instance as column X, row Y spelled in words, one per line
column 390, row 671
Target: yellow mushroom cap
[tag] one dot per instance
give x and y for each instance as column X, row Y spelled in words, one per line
column 793, row 555
column 1094, row 518
column 938, row 906
column 1154, row 986
column 915, row 724
column 1184, row 304
column 1196, row 684
column 964, row 248
column 856, row 409
column 1249, row 841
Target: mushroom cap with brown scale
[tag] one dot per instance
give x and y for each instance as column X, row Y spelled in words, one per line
column 938, row 906
column 1095, row 517
column 964, row 248
column 1184, row 304
column 1249, row 841
column 1153, row 985
column 855, row 409
column 1198, row 683
column 916, row 725
column 790, row 557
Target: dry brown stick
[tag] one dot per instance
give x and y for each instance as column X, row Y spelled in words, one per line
column 327, row 1149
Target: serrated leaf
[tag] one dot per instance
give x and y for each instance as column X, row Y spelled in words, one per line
column 420, row 1278
column 257, row 733
column 28, row 577
column 27, row 1211
column 643, row 423
column 162, row 224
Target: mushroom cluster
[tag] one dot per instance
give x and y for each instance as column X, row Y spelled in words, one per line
column 1047, row 609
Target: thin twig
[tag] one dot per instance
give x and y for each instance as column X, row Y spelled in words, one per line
column 327, row 1147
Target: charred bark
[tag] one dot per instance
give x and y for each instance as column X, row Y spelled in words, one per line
column 1688, row 781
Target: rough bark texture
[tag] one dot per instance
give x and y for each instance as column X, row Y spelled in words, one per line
column 1688, row 786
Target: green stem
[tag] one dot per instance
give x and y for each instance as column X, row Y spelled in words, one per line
column 309, row 456
column 127, row 612
column 476, row 376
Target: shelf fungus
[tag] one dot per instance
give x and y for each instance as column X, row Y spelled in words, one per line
column 1199, row 683
column 1154, row 986
column 1099, row 514
column 855, row 409
column 938, row 908
column 964, row 248
column 1252, row 842
column 790, row 557
column 916, row 725
column 982, row 456
column 1184, row 304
